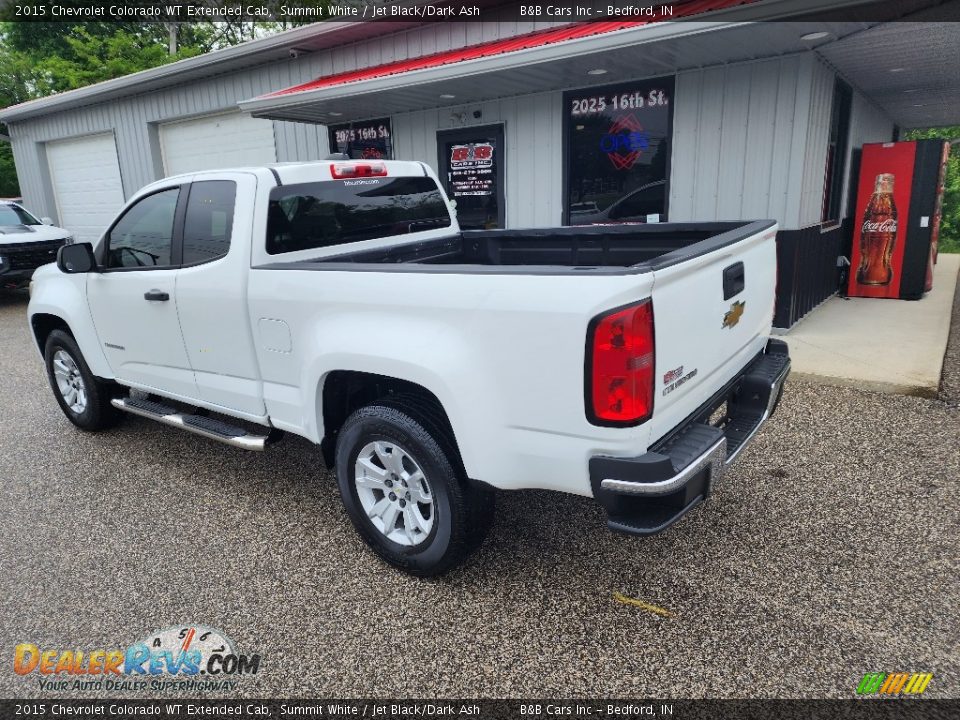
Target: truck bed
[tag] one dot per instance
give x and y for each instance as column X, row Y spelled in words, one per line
column 597, row 248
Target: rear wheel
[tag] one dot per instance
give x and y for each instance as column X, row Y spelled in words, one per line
column 404, row 494
column 84, row 399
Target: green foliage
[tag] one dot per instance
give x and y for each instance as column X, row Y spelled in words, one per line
column 9, row 187
column 950, row 222
column 93, row 58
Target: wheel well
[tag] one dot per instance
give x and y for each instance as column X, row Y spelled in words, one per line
column 44, row 324
column 346, row 391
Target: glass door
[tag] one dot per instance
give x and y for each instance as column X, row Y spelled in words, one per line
column 471, row 170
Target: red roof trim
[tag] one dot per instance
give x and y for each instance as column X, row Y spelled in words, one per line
column 539, row 38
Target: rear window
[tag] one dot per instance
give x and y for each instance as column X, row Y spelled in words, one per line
column 322, row 214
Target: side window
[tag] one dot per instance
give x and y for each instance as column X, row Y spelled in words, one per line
column 209, row 220
column 143, row 237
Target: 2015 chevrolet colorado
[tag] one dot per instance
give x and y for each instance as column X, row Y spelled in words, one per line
column 340, row 301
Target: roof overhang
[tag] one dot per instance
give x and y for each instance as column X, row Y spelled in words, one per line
column 639, row 51
column 911, row 70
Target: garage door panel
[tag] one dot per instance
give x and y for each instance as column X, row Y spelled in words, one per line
column 216, row 141
column 88, row 191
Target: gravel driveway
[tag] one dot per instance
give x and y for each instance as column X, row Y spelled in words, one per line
column 830, row 550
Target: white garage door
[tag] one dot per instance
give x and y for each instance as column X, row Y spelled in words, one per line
column 216, row 141
column 85, row 175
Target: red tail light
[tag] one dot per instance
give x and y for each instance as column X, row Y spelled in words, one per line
column 620, row 347
column 341, row 171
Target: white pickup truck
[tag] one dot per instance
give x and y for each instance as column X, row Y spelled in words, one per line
column 339, row 301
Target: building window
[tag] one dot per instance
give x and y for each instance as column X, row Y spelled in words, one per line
column 836, row 153
column 617, row 152
column 368, row 140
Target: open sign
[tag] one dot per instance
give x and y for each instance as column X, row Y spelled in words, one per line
column 625, row 142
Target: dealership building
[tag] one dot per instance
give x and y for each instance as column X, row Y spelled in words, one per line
column 714, row 117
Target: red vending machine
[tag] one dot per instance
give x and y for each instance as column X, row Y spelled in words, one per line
column 897, row 219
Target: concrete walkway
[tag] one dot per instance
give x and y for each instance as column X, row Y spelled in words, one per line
column 894, row 346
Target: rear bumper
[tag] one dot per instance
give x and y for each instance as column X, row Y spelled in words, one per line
column 646, row 494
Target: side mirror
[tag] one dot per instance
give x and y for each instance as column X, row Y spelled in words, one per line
column 76, row 258
column 46, row 220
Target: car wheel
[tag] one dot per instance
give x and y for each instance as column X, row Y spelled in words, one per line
column 404, row 494
column 84, row 399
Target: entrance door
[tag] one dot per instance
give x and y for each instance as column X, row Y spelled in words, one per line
column 471, row 169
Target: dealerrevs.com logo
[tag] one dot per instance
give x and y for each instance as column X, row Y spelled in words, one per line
column 190, row 657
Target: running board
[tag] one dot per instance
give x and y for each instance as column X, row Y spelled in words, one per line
column 197, row 424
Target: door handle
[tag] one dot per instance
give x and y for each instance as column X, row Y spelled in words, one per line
column 734, row 280
column 156, row 296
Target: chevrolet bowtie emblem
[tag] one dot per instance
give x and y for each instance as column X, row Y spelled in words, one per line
column 734, row 314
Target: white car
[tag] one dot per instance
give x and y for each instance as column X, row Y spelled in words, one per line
column 26, row 243
column 339, row 301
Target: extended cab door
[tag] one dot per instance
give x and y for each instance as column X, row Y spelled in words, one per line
column 212, row 291
column 133, row 300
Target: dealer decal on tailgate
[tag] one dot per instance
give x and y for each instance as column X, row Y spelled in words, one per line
column 673, row 379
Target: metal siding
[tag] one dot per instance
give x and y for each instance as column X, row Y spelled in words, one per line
column 868, row 124
column 733, row 144
column 780, row 177
column 532, row 124
column 686, row 138
column 736, row 154
column 760, row 135
column 817, row 140
column 29, row 162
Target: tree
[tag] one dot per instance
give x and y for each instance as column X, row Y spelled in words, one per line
column 950, row 212
column 41, row 58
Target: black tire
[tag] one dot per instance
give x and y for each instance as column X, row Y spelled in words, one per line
column 462, row 512
column 98, row 413
column 431, row 417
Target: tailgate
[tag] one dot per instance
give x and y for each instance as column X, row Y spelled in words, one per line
column 713, row 310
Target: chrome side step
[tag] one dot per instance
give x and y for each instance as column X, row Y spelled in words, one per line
column 197, row 424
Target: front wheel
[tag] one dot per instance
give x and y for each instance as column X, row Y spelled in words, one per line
column 84, row 399
column 403, row 493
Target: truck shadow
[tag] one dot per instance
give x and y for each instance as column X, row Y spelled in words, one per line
column 11, row 298
column 537, row 537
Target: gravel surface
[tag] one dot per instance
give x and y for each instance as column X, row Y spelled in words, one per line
column 950, row 378
column 829, row 550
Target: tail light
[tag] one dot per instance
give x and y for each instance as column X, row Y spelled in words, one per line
column 341, row 171
column 620, row 347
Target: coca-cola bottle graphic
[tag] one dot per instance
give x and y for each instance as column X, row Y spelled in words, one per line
column 878, row 234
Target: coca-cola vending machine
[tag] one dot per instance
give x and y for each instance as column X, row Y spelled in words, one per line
column 897, row 219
